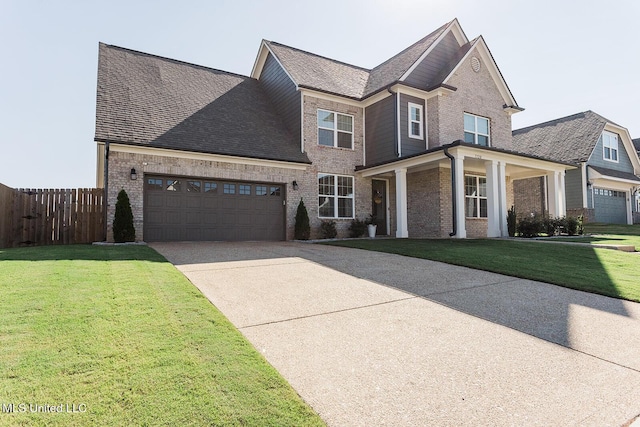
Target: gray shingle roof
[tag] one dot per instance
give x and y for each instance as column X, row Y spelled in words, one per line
column 616, row 174
column 328, row 75
column 636, row 143
column 149, row 100
column 568, row 139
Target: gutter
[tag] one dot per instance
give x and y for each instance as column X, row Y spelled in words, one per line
column 454, row 208
column 396, row 128
column 106, row 187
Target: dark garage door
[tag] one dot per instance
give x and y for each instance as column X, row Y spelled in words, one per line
column 187, row 209
column 610, row 206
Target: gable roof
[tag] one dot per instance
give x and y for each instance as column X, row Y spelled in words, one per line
column 144, row 99
column 569, row 139
column 311, row 71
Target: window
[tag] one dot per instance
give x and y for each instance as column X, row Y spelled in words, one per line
column 210, row 187
column 275, row 191
column 415, row 121
column 229, row 188
column 475, row 189
column 173, row 185
column 476, row 130
column 335, row 196
column 335, row 129
column 193, row 186
column 245, row 190
column 610, row 146
column 154, row 184
column 261, row 190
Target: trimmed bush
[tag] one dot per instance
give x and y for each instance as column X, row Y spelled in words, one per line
column 357, row 228
column 302, row 228
column 511, row 221
column 328, row 229
column 123, row 229
column 571, row 225
column 530, row 226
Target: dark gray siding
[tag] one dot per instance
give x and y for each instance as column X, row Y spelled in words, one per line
column 380, row 131
column 431, row 67
column 283, row 94
column 573, row 187
column 624, row 162
column 411, row 145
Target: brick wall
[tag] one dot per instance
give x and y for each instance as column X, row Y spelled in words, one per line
column 331, row 160
column 529, row 196
column 476, row 94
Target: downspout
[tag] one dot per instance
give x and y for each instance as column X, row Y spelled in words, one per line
column 106, row 187
column 453, row 192
column 395, row 121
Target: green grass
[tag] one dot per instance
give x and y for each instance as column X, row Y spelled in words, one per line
column 608, row 234
column 120, row 330
column 602, row 271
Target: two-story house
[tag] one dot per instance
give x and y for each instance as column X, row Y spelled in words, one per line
column 422, row 141
column 603, row 187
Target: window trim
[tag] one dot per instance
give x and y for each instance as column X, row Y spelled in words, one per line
column 335, row 129
column 611, row 149
column 410, row 121
column 336, row 197
column 476, row 133
column 477, row 197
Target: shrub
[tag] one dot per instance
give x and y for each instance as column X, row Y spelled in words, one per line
column 123, row 229
column 328, row 229
column 580, row 220
column 530, row 226
column 571, row 225
column 357, row 228
column 550, row 225
column 511, row 221
column 302, row 228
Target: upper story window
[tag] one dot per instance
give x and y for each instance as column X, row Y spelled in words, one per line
column 335, row 129
column 610, row 146
column 335, row 196
column 476, row 129
column 416, row 121
column 475, row 191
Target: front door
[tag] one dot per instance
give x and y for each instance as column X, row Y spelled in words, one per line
column 379, row 205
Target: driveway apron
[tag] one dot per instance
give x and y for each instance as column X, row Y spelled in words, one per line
column 372, row 339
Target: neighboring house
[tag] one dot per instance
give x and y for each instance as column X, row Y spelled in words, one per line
column 604, row 185
column 422, row 141
column 636, row 144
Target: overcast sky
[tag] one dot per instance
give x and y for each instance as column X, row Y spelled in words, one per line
column 558, row 58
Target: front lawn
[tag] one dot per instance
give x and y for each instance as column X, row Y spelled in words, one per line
column 603, row 271
column 607, row 234
column 116, row 336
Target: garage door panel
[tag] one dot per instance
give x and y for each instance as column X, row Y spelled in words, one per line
column 198, row 209
column 610, row 206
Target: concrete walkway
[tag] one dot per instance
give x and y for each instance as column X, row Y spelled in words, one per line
column 371, row 339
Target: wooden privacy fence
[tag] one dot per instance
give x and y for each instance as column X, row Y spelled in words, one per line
column 51, row 217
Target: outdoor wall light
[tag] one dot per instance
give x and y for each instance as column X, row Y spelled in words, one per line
column 134, row 175
column 295, row 185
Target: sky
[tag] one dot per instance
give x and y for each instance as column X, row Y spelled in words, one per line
column 558, row 58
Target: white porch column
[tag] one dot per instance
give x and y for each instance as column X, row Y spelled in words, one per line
column 461, row 230
column 493, row 199
column 629, row 197
column 402, row 230
column 502, row 188
column 562, row 200
column 552, row 189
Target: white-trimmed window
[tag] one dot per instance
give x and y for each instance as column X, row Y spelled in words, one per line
column 416, row 121
column 335, row 196
column 475, row 202
column 335, row 129
column 476, row 130
column 610, row 146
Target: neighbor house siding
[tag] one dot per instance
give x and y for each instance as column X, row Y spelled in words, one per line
column 425, row 74
column 573, row 188
column 624, row 162
column 283, row 94
column 381, row 131
column 409, row 145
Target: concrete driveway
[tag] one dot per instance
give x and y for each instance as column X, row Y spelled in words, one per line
column 370, row 339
